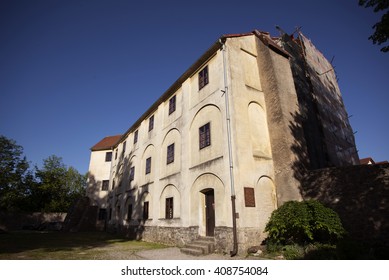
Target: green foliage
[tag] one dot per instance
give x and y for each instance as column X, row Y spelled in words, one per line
column 58, row 185
column 381, row 33
column 303, row 223
column 293, row 252
column 15, row 176
column 53, row 188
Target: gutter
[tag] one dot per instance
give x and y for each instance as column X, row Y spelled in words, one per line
column 231, row 163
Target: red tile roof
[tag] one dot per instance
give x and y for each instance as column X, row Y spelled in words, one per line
column 106, row 143
column 367, row 160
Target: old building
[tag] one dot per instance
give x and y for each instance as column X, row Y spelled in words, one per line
column 222, row 147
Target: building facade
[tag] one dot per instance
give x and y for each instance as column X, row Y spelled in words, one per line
column 214, row 155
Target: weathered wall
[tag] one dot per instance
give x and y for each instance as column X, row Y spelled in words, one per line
column 281, row 108
column 328, row 134
column 359, row 194
column 18, row 221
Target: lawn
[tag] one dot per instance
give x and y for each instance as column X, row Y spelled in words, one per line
column 39, row 245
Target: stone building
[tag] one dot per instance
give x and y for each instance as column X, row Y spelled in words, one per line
column 219, row 150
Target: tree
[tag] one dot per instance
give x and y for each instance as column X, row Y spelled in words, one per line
column 53, row 188
column 15, row 176
column 381, row 32
column 58, row 186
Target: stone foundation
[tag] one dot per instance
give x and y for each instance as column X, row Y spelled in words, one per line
column 179, row 236
column 248, row 237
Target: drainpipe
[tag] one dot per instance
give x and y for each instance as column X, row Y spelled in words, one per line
column 231, row 164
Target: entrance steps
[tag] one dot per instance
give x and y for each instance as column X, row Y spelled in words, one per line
column 201, row 246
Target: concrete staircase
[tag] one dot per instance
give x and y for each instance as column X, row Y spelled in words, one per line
column 200, row 246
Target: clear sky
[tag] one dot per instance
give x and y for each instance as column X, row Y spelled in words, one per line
column 73, row 72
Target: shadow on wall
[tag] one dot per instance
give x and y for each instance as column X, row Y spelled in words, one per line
column 359, row 194
column 125, row 212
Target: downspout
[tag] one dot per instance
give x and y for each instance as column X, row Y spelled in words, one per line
column 231, row 164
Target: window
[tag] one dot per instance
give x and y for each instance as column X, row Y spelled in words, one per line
column 123, row 150
column 124, row 146
column 129, row 212
column 170, row 154
column 169, row 208
column 145, row 210
column 136, row 137
column 108, row 156
column 148, row 165
column 102, row 214
column 105, row 185
column 116, row 154
column 203, row 77
column 249, row 197
column 117, row 212
column 132, row 173
column 151, row 123
column 205, row 136
column 172, row 104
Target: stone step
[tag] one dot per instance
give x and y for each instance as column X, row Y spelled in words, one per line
column 203, row 247
column 208, row 247
column 200, row 246
column 207, row 238
column 192, row 251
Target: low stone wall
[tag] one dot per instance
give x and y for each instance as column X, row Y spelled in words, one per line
column 33, row 221
column 179, row 236
column 359, row 194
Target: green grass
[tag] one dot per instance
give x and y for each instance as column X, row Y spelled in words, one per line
column 35, row 245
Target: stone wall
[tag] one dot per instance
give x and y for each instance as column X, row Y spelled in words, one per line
column 179, row 236
column 359, row 194
column 34, row 221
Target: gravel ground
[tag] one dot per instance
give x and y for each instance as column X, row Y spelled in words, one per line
column 174, row 253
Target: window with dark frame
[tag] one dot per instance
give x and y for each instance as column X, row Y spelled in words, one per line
column 203, row 77
column 136, row 136
column 108, row 156
column 102, row 214
column 205, row 136
column 148, row 165
column 169, row 208
column 117, row 212
column 105, row 185
column 132, row 173
column 172, row 104
column 151, row 123
column 129, row 212
column 249, row 197
column 170, row 154
column 145, row 210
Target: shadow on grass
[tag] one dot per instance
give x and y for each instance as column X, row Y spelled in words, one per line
column 65, row 245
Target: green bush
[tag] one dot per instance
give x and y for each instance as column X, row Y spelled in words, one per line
column 293, row 252
column 304, row 223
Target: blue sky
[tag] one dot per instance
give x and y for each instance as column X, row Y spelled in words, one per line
column 73, row 72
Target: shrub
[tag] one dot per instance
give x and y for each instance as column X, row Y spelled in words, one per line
column 303, row 223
